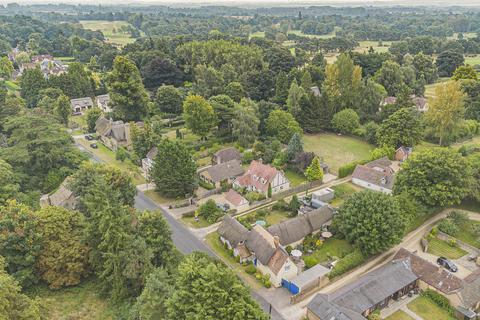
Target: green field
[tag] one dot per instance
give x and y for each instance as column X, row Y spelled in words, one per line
column 258, row 34
column 82, row 302
column 472, row 60
column 443, row 249
column 337, row 150
column 399, row 315
column 364, row 46
column 426, row 309
column 317, row 36
column 110, row 29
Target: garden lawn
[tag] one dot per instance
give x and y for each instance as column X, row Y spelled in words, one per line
column 443, row 249
column 190, row 221
column 337, row 150
column 426, row 309
column 110, row 29
column 332, row 248
column 258, row 34
column 343, row 191
column 158, row 198
column 467, row 233
column 399, row 315
column 473, row 60
column 272, row 217
column 81, row 302
column 295, row 178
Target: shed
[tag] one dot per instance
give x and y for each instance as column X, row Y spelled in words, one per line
column 464, row 313
column 313, row 277
column 325, row 194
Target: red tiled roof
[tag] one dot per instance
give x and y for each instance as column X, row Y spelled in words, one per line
column 234, row 197
column 254, row 175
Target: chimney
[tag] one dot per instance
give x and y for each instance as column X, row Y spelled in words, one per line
column 276, row 241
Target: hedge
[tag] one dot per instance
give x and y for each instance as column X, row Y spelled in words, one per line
column 347, row 263
column 439, row 300
column 348, row 169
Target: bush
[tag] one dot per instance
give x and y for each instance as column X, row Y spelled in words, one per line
column 121, row 154
column 310, row 261
column 267, row 284
column 209, row 211
column 247, row 157
column 447, row 226
column 281, row 205
column 346, row 121
column 439, row 300
column 347, row 263
column 253, row 196
column 452, row 242
column 288, row 249
column 459, row 218
column 206, row 185
column 250, row 269
column 347, row 169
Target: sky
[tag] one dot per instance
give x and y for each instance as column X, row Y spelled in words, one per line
column 257, row 3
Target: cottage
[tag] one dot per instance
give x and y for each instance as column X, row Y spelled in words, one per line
column 402, row 153
column 149, row 160
column 292, row 231
column 226, row 171
column 226, row 155
column 375, row 290
column 233, row 234
column 103, row 102
column 113, row 134
column 62, row 197
column 377, row 175
column 262, row 177
column 236, row 200
column 269, row 257
column 81, row 105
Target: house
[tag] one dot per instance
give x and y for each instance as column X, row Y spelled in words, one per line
column 236, row 200
column 262, row 177
column 402, row 153
column 233, row 234
column 103, row 102
column 420, row 103
column 292, row 231
column 114, row 134
column 149, row 160
column 225, row 155
column 377, row 175
column 470, row 294
column 269, row 257
column 62, row 197
column 41, row 57
column 375, row 290
column 388, row 101
column 80, row 105
column 225, row 171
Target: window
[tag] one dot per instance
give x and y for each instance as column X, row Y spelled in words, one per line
column 287, row 267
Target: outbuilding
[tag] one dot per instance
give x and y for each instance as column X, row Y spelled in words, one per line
column 314, row 277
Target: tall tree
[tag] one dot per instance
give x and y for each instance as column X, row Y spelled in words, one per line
column 314, row 171
column 6, row 68
column 174, row 169
column 435, row 177
column 199, row 115
column 295, row 146
column 129, row 97
column 207, row 289
column 371, row 220
column 8, row 183
column 63, row 258
column 295, row 94
column 223, row 107
column 245, row 123
column 446, row 109
column 448, row 61
column 31, row 82
column 168, row 100
column 402, row 128
column 282, row 125
column 390, row 76
column 63, row 109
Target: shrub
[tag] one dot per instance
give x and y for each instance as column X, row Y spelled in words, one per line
column 258, row 276
column 347, row 169
column 247, row 157
column 267, row 284
column 452, row 242
column 288, row 249
column 346, row 121
column 447, row 226
column 206, row 185
column 253, row 196
column 209, row 211
column 458, row 218
column 360, row 132
column 439, row 300
column 350, row 261
column 434, row 231
column 310, row 261
column 250, row 269
column 281, row 205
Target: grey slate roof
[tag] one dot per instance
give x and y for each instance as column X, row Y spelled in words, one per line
column 310, row 275
column 102, row 125
column 104, row 98
column 374, row 176
column 471, row 289
column 295, row 229
column 350, row 301
column 152, row 154
column 225, row 170
column 232, row 230
column 82, row 102
column 228, row 154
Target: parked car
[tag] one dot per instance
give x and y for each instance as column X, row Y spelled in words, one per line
column 89, row 137
column 447, row 264
column 93, row 146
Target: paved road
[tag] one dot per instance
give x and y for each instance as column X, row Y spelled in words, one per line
column 183, row 239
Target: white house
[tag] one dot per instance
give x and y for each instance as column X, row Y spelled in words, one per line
column 377, row 175
column 149, row 160
column 81, row 105
column 103, row 102
column 260, row 176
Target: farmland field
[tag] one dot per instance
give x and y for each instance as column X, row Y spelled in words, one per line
column 337, row 150
column 364, row 46
column 110, row 29
column 318, row 36
column 472, row 60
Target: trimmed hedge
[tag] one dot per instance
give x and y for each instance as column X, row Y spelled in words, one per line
column 347, row 263
column 348, row 169
column 439, row 300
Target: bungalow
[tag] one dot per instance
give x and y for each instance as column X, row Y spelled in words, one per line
column 149, row 160
column 377, row 175
column 225, row 155
column 113, row 134
column 375, row 290
column 402, row 153
column 260, row 177
column 225, row 171
column 269, row 257
column 470, row 294
column 292, row 231
column 62, row 197
column 236, row 200
column 103, row 102
column 233, row 234
column 80, row 105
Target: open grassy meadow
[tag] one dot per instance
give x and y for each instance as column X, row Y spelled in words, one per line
column 337, row 150
column 317, row 36
column 378, row 46
column 472, row 60
column 110, row 29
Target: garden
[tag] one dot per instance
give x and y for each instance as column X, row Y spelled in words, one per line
column 275, row 214
column 342, row 192
column 432, row 305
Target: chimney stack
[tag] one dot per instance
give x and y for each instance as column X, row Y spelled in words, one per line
column 276, row 241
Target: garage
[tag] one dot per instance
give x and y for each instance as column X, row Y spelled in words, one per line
column 314, row 277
